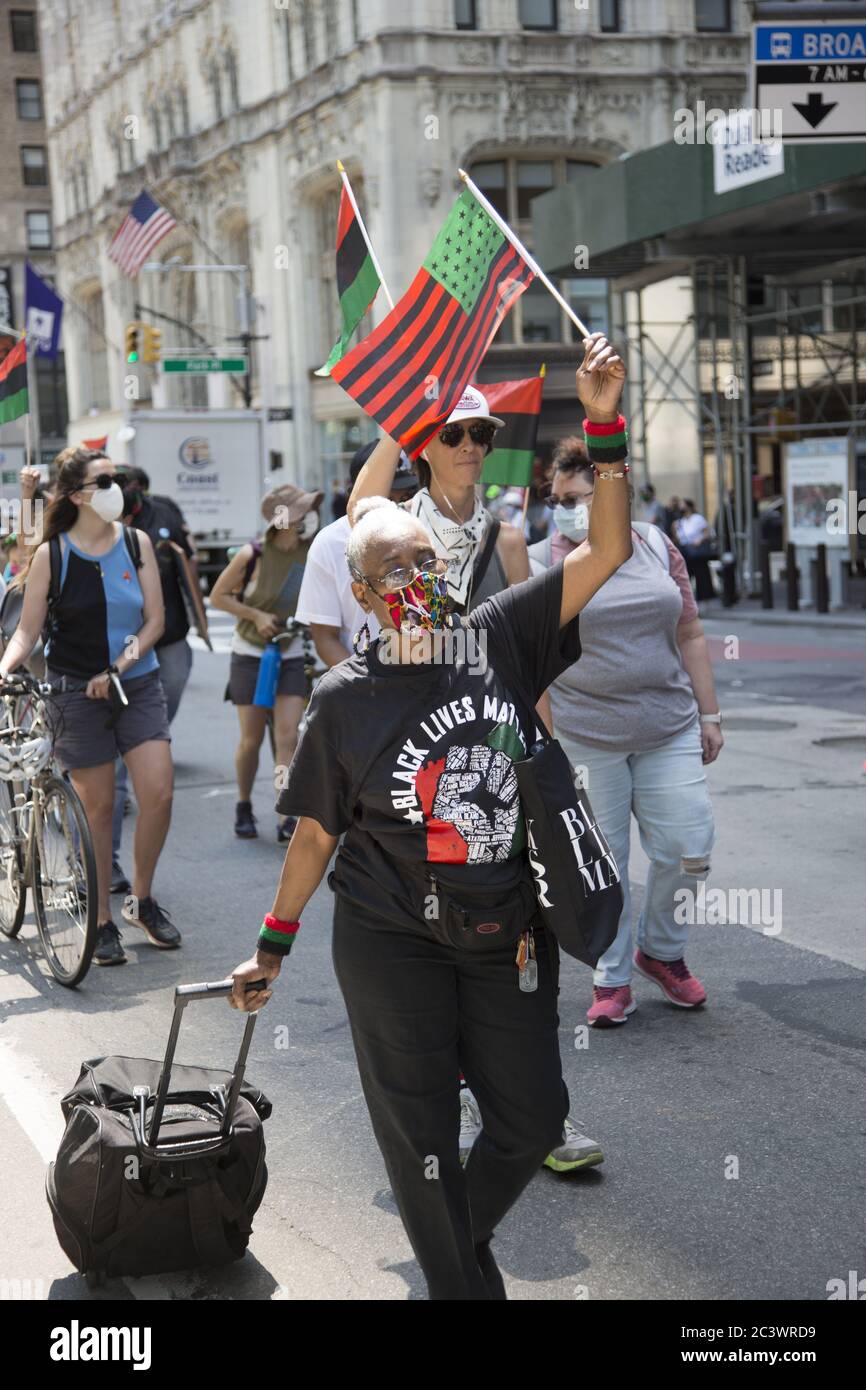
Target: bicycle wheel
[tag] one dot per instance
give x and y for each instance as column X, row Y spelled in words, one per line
column 64, row 880
column 13, row 889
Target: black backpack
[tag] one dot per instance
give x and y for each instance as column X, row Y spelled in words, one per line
column 160, row 1167
column 13, row 599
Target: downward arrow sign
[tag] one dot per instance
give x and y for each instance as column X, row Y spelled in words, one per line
column 815, row 109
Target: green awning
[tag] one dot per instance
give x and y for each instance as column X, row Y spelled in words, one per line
column 648, row 213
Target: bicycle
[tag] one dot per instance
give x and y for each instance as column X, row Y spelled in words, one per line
column 45, row 839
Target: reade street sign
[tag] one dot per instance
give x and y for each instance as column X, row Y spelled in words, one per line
column 813, row 71
column 201, row 365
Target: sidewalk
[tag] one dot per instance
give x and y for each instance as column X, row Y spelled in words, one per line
column 750, row 610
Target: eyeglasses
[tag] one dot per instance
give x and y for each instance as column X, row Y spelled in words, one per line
column 402, row 578
column 569, row 503
column 104, row 480
column 481, row 432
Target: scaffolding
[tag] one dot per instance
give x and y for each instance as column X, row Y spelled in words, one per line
column 760, row 375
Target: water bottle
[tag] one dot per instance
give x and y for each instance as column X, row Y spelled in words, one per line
column 269, row 675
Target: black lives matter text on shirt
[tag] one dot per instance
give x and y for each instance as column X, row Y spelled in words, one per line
column 415, row 764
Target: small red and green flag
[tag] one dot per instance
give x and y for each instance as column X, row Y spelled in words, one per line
column 14, row 400
column 357, row 278
column 410, row 372
column 518, row 403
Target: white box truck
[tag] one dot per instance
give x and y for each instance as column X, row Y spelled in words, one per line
column 212, row 464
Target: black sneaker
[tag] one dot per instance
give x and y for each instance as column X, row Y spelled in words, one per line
column 153, row 920
column 286, row 829
column 119, row 882
column 108, row 949
column 245, row 821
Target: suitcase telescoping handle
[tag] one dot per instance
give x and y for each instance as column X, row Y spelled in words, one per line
column 188, row 994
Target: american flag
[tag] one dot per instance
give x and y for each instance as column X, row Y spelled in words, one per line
column 144, row 225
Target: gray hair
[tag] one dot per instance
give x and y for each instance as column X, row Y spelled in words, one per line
column 374, row 516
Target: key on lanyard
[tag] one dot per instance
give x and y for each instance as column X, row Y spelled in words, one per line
column 527, row 968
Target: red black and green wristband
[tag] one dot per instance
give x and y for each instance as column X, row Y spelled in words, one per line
column 277, row 936
column 606, row 443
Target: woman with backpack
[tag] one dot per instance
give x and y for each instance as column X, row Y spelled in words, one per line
column 260, row 587
column 639, row 719
column 97, row 584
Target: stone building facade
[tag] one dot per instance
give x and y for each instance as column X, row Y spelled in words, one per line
column 26, row 230
column 233, row 113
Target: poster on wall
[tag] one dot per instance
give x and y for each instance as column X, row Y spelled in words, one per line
column 816, row 492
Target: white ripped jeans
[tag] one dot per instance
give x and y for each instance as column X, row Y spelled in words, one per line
column 667, row 791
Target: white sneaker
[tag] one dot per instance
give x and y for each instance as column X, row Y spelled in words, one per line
column 575, row 1151
column 470, row 1122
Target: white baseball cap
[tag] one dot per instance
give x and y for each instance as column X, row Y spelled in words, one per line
column 473, row 406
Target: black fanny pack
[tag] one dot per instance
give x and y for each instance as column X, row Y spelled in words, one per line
column 480, row 915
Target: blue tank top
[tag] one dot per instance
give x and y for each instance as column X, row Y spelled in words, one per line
column 99, row 608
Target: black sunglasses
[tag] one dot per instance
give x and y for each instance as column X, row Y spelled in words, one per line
column 481, row 432
column 102, row 480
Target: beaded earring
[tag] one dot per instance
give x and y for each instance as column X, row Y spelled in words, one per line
column 361, row 640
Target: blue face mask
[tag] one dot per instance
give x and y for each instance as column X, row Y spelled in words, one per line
column 572, row 522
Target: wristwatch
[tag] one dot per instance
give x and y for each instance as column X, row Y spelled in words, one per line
column 711, row 719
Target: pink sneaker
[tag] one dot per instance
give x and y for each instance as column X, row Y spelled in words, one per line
column 674, row 979
column 610, row 1004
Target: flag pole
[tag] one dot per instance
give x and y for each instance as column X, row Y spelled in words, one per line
column 526, row 491
column 28, row 443
column 376, row 266
column 518, row 246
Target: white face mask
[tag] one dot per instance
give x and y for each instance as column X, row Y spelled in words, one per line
column 572, row 522
column 107, row 502
column 309, row 526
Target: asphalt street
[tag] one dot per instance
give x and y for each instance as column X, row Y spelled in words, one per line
column 731, row 1134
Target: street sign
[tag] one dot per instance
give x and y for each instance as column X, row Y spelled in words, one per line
column 813, row 73
column 202, row 365
column 280, row 412
column 740, row 156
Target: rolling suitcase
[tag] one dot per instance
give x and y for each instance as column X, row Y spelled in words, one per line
column 160, row 1167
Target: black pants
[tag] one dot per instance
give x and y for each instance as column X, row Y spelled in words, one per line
column 420, row 1013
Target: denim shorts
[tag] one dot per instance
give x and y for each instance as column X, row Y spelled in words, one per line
column 81, row 736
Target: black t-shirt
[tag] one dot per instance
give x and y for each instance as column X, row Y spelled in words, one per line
column 162, row 520
column 415, row 762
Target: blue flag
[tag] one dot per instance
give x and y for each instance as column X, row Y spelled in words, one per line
column 43, row 311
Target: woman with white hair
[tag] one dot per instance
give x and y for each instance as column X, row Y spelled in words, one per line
column 409, row 752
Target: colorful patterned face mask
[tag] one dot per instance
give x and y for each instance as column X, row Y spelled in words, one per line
column 420, row 604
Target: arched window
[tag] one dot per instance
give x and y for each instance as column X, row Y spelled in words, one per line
column 511, row 184
column 231, row 67
column 213, row 78
column 155, row 125
column 287, row 45
column 309, row 20
column 332, row 29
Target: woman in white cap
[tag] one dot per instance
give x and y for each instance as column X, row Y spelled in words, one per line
column 484, row 556
column 260, row 586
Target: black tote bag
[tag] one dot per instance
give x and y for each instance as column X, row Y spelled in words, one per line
column 576, row 878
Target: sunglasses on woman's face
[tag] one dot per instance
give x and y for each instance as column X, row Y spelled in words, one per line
column 102, row 480
column 569, row 502
column 481, row 432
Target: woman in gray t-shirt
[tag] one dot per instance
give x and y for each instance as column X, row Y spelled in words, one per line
column 638, row 717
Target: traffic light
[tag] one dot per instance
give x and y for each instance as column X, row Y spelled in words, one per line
column 132, row 340
column 152, row 348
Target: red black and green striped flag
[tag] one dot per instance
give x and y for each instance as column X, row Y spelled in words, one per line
column 13, row 384
column 410, row 372
column 518, row 403
column 357, row 279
